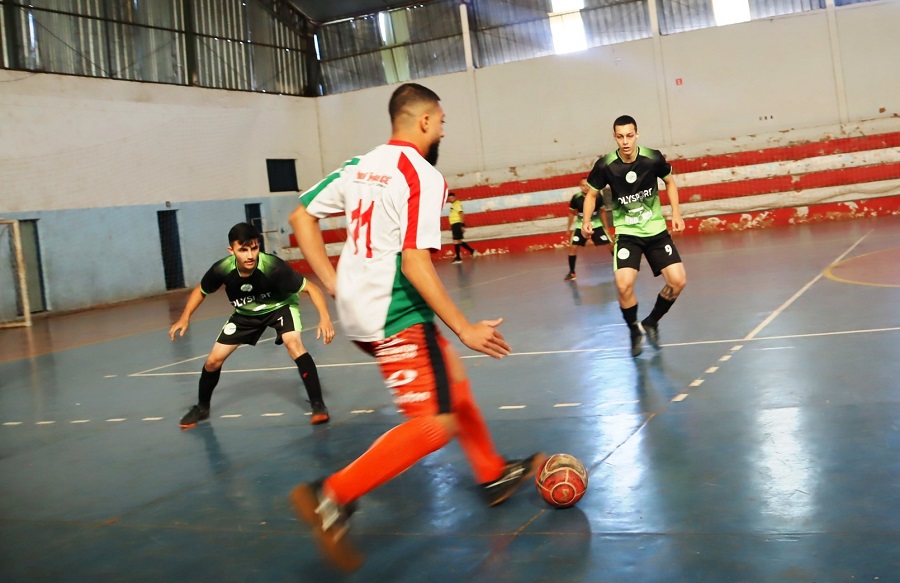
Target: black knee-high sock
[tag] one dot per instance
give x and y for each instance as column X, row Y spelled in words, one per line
column 659, row 310
column 572, row 259
column 310, row 377
column 468, row 247
column 208, row 382
column 457, row 246
column 630, row 315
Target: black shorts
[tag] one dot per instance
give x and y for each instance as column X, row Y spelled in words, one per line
column 659, row 250
column 241, row 329
column 457, row 230
column 598, row 237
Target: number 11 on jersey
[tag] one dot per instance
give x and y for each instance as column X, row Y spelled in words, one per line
column 362, row 219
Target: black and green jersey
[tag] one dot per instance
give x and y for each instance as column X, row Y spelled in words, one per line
column 272, row 285
column 577, row 204
column 635, row 190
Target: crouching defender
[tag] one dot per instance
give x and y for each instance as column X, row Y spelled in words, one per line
column 264, row 292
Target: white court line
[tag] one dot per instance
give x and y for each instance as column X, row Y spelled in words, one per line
column 168, row 365
column 147, row 373
column 545, row 352
column 800, row 292
column 567, row 405
column 149, row 370
column 771, row 317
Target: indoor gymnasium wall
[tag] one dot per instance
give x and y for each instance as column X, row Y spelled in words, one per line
column 774, row 121
column 94, row 161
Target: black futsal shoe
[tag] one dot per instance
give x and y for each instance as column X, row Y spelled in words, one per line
column 194, row 416
column 652, row 331
column 637, row 339
column 515, row 472
column 319, row 413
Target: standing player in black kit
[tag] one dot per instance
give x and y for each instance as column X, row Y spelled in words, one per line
column 576, row 239
column 640, row 227
column 264, row 292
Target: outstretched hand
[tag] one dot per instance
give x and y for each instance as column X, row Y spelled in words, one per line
column 485, row 338
column 179, row 326
column 325, row 331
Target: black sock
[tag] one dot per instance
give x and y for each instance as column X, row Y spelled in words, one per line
column 468, row 248
column 310, row 377
column 572, row 259
column 659, row 310
column 630, row 315
column 457, row 246
column 208, row 382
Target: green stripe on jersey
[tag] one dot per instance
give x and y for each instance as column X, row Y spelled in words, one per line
column 315, row 190
column 407, row 307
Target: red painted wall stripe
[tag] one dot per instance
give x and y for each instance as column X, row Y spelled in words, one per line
column 722, row 191
column 514, row 215
column 786, row 183
column 882, row 206
column 781, row 154
column 684, row 166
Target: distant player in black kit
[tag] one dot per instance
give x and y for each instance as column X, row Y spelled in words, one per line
column 640, row 227
column 576, row 216
column 264, row 292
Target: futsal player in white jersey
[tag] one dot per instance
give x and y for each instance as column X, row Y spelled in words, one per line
column 387, row 294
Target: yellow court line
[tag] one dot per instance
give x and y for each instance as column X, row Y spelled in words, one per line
column 830, row 275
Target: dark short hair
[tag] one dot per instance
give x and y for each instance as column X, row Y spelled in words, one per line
column 409, row 94
column 624, row 120
column 451, row 194
column 243, row 233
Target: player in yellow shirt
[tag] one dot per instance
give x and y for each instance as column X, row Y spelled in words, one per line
column 458, row 227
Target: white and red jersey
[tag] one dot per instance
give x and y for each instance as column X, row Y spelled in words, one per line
column 392, row 200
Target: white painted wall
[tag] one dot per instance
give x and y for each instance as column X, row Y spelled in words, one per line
column 73, row 142
column 869, row 53
column 780, row 69
column 561, row 108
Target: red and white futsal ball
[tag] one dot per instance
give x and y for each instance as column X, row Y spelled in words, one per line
column 561, row 480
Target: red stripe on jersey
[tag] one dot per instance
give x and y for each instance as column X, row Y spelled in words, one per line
column 403, row 143
column 415, row 192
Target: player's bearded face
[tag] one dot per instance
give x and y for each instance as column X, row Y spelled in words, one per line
column 432, row 154
column 436, row 130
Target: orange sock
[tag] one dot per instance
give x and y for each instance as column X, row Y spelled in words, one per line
column 392, row 454
column 474, row 436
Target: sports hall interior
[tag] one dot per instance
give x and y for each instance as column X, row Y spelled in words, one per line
column 758, row 443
